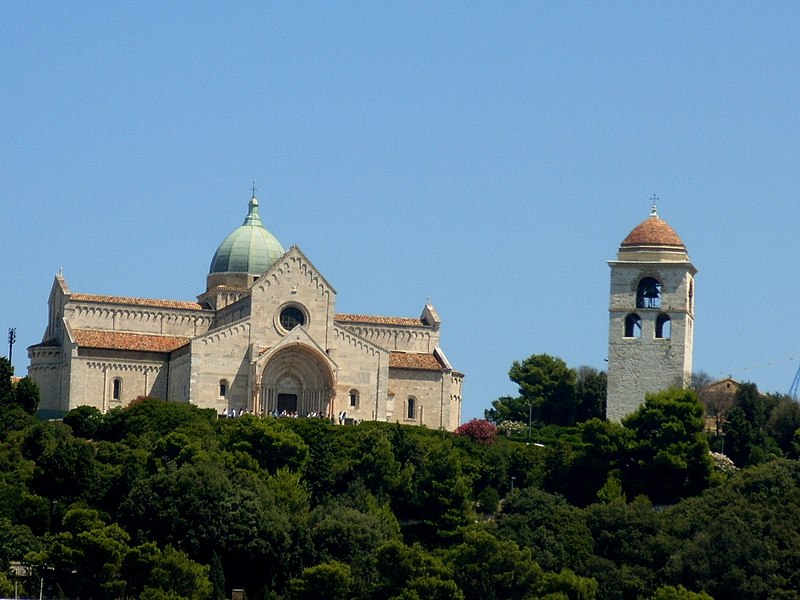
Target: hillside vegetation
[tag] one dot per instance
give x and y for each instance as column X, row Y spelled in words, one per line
column 165, row 501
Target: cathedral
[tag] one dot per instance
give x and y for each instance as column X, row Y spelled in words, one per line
column 263, row 338
column 651, row 316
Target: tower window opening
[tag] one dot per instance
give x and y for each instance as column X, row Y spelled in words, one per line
column 223, row 388
column 116, row 389
column 353, row 398
column 648, row 294
column 663, row 327
column 633, row 326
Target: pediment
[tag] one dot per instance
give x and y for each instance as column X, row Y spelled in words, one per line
column 294, row 268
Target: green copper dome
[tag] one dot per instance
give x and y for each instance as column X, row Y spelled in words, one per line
column 248, row 249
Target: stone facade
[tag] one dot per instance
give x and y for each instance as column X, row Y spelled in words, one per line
column 268, row 343
column 651, row 316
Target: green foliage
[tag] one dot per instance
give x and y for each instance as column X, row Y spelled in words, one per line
column 26, row 395
column 547, row 393
column 267, row 441
column 85, row 421
column 23, row 394
column 217, row 577
column 554, row 531
column 486, row 567
column 747, row 430
column 784, row 421
column 13, row 418
column 590, row 393
column 398, row 565
column 146, row 420
column 174, row 572
column 6, row 387
column 741, row 540
column 671, row 455
column 345, row 533
column 161, row 501
column 327, row 581
column 551, row 394
column 669, row 592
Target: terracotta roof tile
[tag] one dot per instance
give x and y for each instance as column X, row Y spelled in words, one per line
column 653, row 231
column 120, row 340
column 409, row 360
column 137, row 301
column 373, row 320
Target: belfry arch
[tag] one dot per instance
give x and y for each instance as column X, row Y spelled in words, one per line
column 297, row 379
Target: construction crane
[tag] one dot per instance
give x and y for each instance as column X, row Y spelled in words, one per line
column 795, row 384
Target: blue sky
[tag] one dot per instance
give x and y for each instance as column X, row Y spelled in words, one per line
column 490, row 156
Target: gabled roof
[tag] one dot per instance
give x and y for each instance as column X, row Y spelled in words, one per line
column 137, row 301
column 414, row 360
column 120, row 340
column 295, row 252
column 377, row 320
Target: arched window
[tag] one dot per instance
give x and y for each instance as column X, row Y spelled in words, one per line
column 353, row 398
column 663, row 327
column 648, row 294
column 411, row 408
column 116, row 389
column 223, row 388
column 633, row 326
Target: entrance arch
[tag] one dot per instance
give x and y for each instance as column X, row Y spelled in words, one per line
column 297, row 380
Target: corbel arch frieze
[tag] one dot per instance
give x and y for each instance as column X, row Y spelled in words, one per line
column 120, row 366
column 240, row 327
column 357, row 341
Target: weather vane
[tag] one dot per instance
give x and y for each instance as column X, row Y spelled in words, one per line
column 254, row 189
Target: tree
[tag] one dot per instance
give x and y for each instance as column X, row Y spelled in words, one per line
column 6, row 387
column 340, row 532
column 217, row 576
column 590, row 394
column 746, row 438
column 670, row 454
column 26, row 395
column 85, row 421
column 397, row 565
column 547, row 393
column 784, row 421
column 87, row 556
column 669, row 592
column 700, row 379
column 486, row 567
column 554, row 531
column 267, row 441
column 327, row 581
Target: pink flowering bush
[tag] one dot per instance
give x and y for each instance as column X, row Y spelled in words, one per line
column 479, row 430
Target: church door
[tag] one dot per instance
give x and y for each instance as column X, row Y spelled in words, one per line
column 287, row 403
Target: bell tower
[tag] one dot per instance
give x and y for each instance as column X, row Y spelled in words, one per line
column 651, row 316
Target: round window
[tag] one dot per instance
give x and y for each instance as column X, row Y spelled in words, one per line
column 292, row 316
